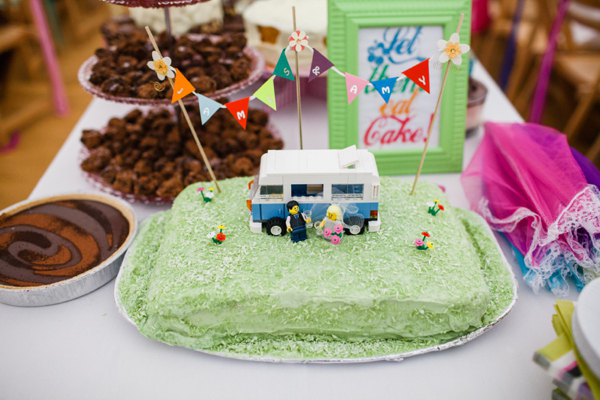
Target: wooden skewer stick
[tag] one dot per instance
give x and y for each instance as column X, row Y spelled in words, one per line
column 437, row 107
column 297, row 84
column 187, row 118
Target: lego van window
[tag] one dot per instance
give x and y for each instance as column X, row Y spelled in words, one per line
column 307, row 190
column 271, row 190
column 347, row 191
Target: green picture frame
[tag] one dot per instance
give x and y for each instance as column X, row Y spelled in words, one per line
column 346, row 19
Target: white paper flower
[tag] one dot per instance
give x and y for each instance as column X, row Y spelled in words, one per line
column 162, row 66
column 452, row 49
column 298, row 41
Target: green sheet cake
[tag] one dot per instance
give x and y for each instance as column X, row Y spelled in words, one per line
column 256, row 294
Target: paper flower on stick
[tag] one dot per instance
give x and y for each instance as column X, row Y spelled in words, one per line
column 162, row 66
column 298, row 41
column 452, row 50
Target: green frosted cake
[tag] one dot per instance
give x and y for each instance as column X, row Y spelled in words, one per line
column 259, row 294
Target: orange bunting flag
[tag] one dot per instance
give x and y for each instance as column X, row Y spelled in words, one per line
column 182, row 88
column 419, row 74
column 239, row 110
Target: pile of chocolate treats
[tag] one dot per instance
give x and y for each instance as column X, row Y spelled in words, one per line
column 149, row 155
column 209, row 65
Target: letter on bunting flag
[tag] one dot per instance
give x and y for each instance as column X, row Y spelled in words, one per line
column 283, row 68
column 207, row 107
column 354, row 85
column 266, row 93
column 319, row 64
column 419, row 74
column 182, row 88
column 385, row 87
column 239, row 110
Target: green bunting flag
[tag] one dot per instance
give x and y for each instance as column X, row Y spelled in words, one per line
column 266, row 93
column 283, row 69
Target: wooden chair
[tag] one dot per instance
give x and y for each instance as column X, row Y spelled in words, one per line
column 575, row 64
column 18, row 35
column 83, row 17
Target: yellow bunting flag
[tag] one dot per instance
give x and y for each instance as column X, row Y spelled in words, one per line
column 182, row 87
column 266, row 93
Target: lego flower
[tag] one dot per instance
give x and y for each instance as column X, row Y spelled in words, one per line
column 211, row 235
column 327, row 232
column 162, row 66
column 425, row 234
column 441, row 207
column 419, row 242
column 221, row 227
column 221, row 237
column 338, row 229
column 200, row 189
column 452, row 49
column 430, row 204
column 298, row 41
column 336, row 240
column 430, row 245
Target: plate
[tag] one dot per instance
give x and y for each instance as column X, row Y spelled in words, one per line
column 386, row 357
column 98, row 183
column 257, row 67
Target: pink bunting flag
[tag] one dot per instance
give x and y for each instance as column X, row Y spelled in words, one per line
column 354, row 85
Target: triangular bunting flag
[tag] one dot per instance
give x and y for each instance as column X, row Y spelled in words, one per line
column 320, row 64
column 385, row 87
column 239, row 110
column 266, row 93
column 354, row 85
column 207, row 107
column 283, row 68
column 182, row 88
column 419, row 74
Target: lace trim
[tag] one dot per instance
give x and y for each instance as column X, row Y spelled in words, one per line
column 572, row 240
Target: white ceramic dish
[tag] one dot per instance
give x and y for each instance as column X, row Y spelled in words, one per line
column 390, row 357
column 78, row 285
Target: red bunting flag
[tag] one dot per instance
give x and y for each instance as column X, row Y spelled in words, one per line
column 239, row 110
column 182, row 87
column 419, row 74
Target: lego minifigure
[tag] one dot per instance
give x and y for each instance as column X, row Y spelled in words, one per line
column 331, row 220
column 296, row 222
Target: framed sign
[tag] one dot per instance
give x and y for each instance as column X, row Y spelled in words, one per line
column 378, row 39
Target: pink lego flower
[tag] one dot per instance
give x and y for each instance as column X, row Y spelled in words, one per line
column 338, row 229
column 335, row 240
column 419, row 242
column 327, row 232
column 200, row 189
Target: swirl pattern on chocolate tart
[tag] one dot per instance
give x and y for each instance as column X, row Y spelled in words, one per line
column 55, row 241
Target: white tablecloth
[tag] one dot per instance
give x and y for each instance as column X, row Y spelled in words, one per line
column 84, row 349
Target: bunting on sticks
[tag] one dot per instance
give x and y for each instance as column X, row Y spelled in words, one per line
column 419, row 74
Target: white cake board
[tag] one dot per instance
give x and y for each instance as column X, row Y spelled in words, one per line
column 391, row 357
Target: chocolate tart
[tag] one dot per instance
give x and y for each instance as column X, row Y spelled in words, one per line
column 61, row 247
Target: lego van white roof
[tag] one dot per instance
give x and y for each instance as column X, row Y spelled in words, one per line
column 278, row 163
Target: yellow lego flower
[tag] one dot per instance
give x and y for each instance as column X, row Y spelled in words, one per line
column 430, row 245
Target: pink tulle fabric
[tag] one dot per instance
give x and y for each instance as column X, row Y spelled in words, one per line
column 525, row 182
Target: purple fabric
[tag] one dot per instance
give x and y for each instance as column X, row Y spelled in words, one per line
column 541, row 87
column 590, row 171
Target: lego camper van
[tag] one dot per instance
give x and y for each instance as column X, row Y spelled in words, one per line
column 315, row 179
